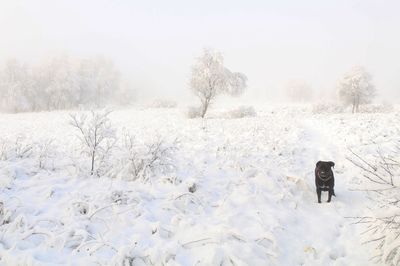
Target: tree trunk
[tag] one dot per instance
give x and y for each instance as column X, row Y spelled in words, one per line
column 205, row 107
column 92, row 169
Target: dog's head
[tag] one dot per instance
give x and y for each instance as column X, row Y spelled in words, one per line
column 324, row 168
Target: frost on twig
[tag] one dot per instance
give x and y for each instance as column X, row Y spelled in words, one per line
column 140, row 160
column 97, row 138
column 382, row 175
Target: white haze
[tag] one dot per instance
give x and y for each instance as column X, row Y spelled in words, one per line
column 154, row 43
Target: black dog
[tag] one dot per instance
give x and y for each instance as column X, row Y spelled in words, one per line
column 324, row 179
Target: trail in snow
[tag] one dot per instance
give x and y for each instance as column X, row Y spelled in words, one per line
column 319, row 234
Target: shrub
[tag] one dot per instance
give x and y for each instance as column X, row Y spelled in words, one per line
column 381, row 172
column 241, row 112
column 194, row 112
column 327, row 108
column 163, row 104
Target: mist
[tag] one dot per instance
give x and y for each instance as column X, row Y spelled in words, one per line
column 154, row 43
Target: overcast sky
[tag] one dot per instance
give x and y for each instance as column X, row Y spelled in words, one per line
column 154, row 43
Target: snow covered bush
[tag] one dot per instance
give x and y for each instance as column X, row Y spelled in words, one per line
column 128, row 157
column 97, row 138
column 139, row 160
column 333, row 108
column 45, row 151
column 163, row 104
column 327, row 108
column 356, row 88
column 382, row 176
column 15, row 149
column 4, row 149
column 194, row 112
column 241, row 112
column 377, row 108
column 18, row 148
column 210, row 78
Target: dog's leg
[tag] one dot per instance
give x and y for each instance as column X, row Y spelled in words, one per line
column 330, row 194
column 319, row 195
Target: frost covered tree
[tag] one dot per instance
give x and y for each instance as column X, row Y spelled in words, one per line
column 298, row 90
column 56, row 84
column 99, row 81
column 356, row 88
column 15, row 87
column 210, row 78
column 61, row 83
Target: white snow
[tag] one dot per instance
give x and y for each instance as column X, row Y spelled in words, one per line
column 255, row 202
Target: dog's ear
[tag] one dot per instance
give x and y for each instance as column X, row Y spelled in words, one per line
column 332, row 164
column 318, row 163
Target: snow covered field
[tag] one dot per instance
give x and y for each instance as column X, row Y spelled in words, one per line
column 254, row 204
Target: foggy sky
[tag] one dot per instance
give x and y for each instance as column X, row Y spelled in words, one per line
column 154, row 43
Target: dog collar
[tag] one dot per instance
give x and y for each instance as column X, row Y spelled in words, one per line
column 323, row 179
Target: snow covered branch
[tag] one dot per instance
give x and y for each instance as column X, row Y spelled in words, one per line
column 382, row 174
column 97, row 137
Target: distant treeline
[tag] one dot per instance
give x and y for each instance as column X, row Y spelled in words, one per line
column 61, row 83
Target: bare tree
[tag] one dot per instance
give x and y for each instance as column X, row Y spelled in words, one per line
column 210, row 78
column 97, row 137
column 382, row 173
column 356, row 88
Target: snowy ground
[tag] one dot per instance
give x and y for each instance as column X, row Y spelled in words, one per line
column 255, row 202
